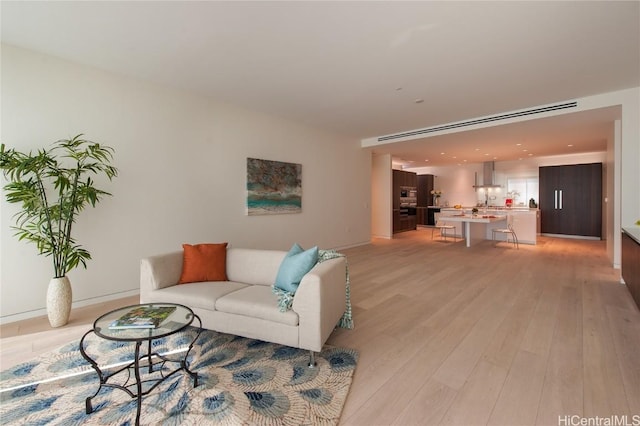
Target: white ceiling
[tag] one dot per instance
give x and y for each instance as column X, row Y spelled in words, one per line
column 358, row 67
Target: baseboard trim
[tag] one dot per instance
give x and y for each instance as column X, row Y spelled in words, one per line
column 363, row 243
column 77, row 304
column 575, row 237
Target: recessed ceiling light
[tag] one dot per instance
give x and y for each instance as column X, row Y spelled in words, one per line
column 442, row 153
column 427, row 160
column 518, row 144
column 570, row 144
column 464, row 161
column 477, row 149
column 495, row 158
column 530, row 154
column 487, row 154
column 455, row 156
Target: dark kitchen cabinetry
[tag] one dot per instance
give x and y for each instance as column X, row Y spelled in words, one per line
column 571, row 200
column 396, row 220
column 425, row 185
column 402, row 178
column 421, row 215
column 404, row 217
column 431, row 215
column 631, row 265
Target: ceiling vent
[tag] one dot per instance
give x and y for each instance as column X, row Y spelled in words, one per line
column 476, row 121
column 488, row 176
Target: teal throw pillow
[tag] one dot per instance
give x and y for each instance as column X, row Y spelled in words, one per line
column 294, row 266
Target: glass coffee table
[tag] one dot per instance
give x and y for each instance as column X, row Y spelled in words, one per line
column 179, row 319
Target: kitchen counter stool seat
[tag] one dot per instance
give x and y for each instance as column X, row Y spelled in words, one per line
column 506, row 231
column 443, row 228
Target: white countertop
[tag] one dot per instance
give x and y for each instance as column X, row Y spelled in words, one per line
column 481, row 210
column 479, row 218
column 491, row 208
column 633, row 231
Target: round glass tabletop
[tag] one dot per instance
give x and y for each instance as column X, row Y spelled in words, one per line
column 143, row 322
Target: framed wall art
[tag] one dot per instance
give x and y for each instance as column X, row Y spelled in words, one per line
column 273, row 187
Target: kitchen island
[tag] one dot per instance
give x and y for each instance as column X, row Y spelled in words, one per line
column 476, row 227
column 526, row 221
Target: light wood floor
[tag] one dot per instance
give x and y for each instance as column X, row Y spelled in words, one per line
column 460, row 336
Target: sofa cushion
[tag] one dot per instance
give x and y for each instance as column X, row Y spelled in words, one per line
column 204, row 262
column 256, row 301
column 253, row 266
column 196, row 295
column 294, row 266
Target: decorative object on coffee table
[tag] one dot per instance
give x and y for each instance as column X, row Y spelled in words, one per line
column 52, row 187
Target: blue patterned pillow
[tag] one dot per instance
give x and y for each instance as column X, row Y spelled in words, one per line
column 294, row 266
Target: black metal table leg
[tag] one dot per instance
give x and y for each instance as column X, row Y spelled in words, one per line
column 183, row 364
column 149, row 357
column 94, row 365
column 136, row 371
column 101, row 329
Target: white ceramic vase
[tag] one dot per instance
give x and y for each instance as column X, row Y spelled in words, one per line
column 59, row 301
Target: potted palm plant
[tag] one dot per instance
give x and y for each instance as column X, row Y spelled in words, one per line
column 52, row 187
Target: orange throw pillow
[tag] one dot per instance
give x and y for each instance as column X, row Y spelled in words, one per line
column 204, row 262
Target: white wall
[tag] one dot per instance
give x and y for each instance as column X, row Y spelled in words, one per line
column 455, row 182
column 381, row 196
column 609, row 217
column 182, row 162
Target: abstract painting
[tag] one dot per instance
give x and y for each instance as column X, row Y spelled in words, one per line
column 273, row 187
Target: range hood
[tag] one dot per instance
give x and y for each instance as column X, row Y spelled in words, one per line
column 488, row 176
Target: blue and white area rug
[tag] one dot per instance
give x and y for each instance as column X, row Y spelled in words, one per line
column 241, row 382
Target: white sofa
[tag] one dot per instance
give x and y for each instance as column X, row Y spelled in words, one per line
column 245, row 304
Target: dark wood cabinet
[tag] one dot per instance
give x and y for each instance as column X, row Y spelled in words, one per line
column 396, row 190
column 403, row 222
column 396, row 220
column 571, row 200
column 424, row 197
column 421, row 216
column 431, row 215
column 402, row 178
column 425, row 186
column 631, row 266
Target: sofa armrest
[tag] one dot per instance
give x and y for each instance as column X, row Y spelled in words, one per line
column 158, row 272
column 320, row 302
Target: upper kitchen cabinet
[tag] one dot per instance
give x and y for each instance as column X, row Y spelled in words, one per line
column 402, row 178
column 425, row 185
column 571, row 200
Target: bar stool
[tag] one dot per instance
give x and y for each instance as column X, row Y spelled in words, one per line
column 506, row 231
column 443, row 227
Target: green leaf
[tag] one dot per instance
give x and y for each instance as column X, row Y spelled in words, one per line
column 52, row 186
